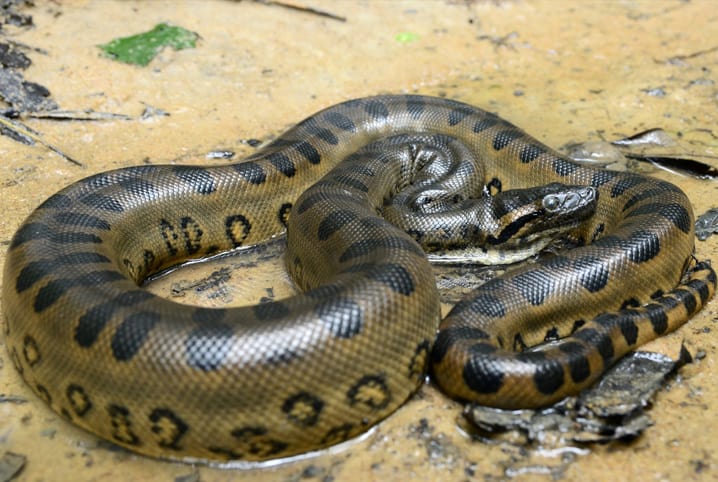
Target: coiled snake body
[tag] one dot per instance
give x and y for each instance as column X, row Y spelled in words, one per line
column 289, row 376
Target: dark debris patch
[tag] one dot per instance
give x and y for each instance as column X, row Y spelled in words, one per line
column 614, row 409
column 11, row 464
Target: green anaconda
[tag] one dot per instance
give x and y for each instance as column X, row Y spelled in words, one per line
column 298, row 374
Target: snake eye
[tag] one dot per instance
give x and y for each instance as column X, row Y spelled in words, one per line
column 551, row 203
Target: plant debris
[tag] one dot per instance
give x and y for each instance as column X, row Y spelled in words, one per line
column 11, row 464
column 707, row 224
column 654, row 146
column 614, row 409
column 141, row 48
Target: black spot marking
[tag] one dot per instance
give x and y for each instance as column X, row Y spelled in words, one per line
column 79, row 401
column 519, row 343
column 237, row 228
column 368, row 246
column 535, row 286
column 395, row 276
column 208, row 345
column 677, row 214
column 340, row 121
column 96, row 318
column 592, row 272
column 376, row 109
column 309, row 152
column 415, row 106
column 371, row 391
column 255, row 441
column 303, row 409
column 313, row 128
column 578, row 365
column 283, row 164
column 274, row 310
column 530, row 153
column 419, row 361
column 283, row 213
column 122, row 425
column 481, row 373
column 625, row 183
column 549, row 375
column 348, row 181
column 485, row 123
column 551, row 335
column 657, row 316
column 83, row 220
column 168, row 427
column 170, row 236
column 102, row 202
column 505, row 137
column 449, row 337
column 251, row 172
column 602, row 176
column 52, row 291
column 308, row 201
column 342, row 316
column 58, row 201
column 132, row 333
column 494, row 186
column 687, row 298
column 192, row 233
column 35, row 231
column 640, row 247
column 457, row 114
column 564, row 167
column 701, row 288
column 31, row 351
column 484, row 304
column 196, row 177
column 630, row 303
column 600, row 340
column 37, row 270
column 338, row 434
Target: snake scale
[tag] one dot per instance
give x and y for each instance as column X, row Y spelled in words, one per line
column 293, row 375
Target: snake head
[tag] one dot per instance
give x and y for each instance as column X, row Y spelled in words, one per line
column 541, row 213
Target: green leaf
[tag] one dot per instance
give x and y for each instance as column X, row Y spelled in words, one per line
column 140, row 49
column 406, row 37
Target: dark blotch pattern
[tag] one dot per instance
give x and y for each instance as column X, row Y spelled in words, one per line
column 395, row 276
column 274, row 310
column 506, row 137
column 200, row 180
column 208, row 345
column 131, row 334
column 578, row 365
column 593, row 273
column 342, row 317
column 283, row 164
column 600, row 340
column 251, row 172
column 69, row 218
column 303, row 409
column 530, row 152
column 309, row 152
column 482, row 373
column 340, row 121
column 92, row 323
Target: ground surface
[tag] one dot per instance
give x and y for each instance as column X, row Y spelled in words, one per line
column 563, row 71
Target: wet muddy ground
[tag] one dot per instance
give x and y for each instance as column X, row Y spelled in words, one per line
column 566, row 72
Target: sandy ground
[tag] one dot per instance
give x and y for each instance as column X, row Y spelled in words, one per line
column 564, row 71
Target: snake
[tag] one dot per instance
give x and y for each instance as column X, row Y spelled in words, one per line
column 361, row 190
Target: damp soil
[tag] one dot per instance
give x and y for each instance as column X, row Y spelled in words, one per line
column 566, row 72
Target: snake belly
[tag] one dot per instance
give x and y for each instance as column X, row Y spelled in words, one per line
column 289, row 376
